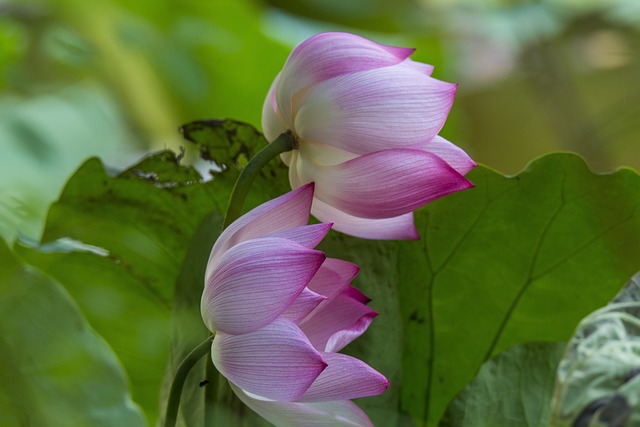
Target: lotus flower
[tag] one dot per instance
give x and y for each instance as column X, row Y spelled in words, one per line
column 281, row 311
column 366, row 120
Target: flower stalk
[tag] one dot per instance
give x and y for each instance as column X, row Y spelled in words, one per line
column 179, row 379
column 283, row 143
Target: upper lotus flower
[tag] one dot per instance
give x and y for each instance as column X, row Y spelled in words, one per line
column 366, row 120
column 281, row 311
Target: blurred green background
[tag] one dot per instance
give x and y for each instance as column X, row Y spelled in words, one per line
column 115, row 78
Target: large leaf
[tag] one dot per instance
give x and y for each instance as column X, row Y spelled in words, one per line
column 598, row 371
column 55, row 370
column 138, row 225
column 516, row 259
column 512, row 389
column 230, row 145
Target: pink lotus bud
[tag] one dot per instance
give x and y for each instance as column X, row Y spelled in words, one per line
column 366, row 119
column 281, row 311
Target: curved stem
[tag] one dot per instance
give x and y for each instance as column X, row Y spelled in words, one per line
column 285, row 142
column 181, row 375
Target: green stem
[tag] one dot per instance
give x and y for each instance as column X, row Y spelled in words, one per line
column 210, row 393
column 285, row 142
column 181, row 375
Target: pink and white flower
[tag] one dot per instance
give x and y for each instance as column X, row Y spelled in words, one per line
column 366, row 119
column 281, row 311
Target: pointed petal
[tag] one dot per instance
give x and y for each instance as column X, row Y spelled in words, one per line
column 328, row 55
column 333, row 276
column 379, row 109
column 344, row 337
column 276, row 362
column 342, row 413
column 400, row 227
column 306, row 302
column 450, row 153
column 385, row 184
column 337, row 322
column 284, row 212
column 426, row 69
column 255, row 282
column 307, row 235
column 397, row 228
column 356, row 294
column 345, row 378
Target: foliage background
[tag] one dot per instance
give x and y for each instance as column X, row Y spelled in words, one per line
column 117, row 78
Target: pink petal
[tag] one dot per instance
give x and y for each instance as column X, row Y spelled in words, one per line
column 276, row 362
column 344, row 337
column 307, row 235
column 450, row 153
column 256, row 281
column 343, row 413
column 399, row 228
column 328, row 55
column 306, row 302
column 419, row 66
column 356, row 294
column 331, row 54
column 373, row 110
column 333, row 276
column 385, row 184
column 345, row 378
column 337, row 322
column 287, row 211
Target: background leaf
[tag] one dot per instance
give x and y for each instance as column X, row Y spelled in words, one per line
column 516, row 388
column 512, row 389
column 514, row 260
column 138, row 225
column 55, row 370
column 231, row 144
